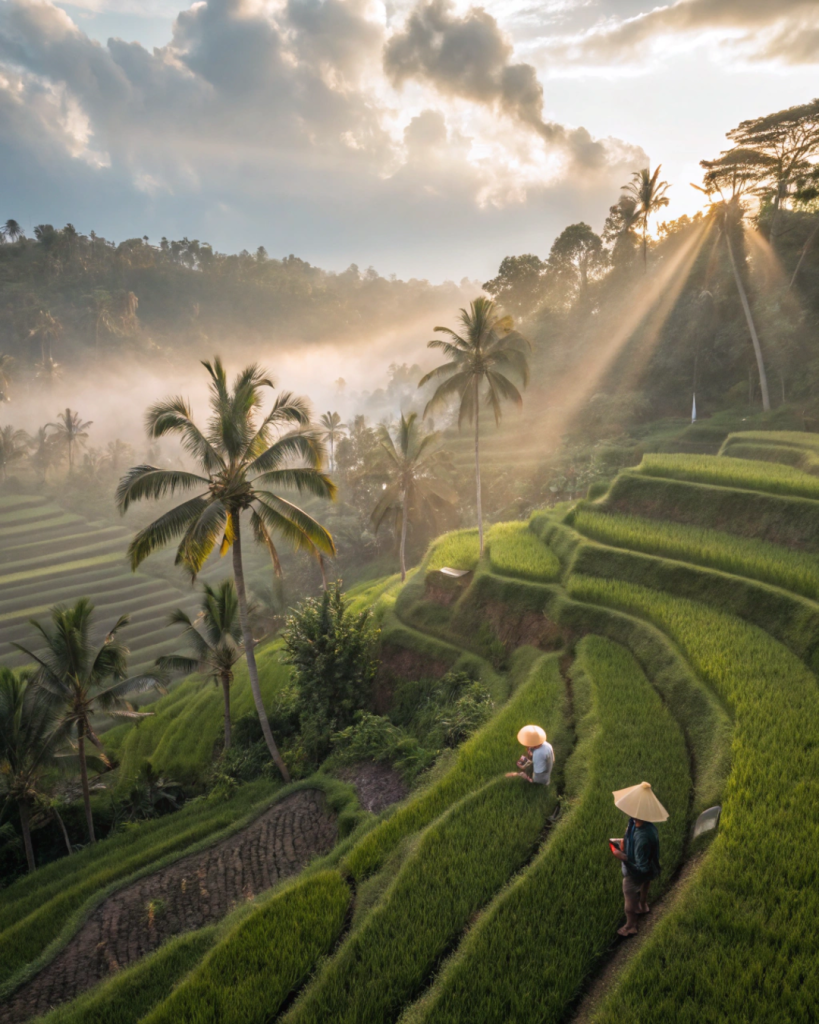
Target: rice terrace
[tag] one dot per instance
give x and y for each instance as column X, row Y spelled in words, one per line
column 429, row 644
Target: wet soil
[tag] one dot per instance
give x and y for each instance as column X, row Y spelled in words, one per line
column 188, row 894
column 377, row 785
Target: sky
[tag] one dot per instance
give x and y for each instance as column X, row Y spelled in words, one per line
column 426, row 138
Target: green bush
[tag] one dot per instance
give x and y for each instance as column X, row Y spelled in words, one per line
column 527, row 957
column 744, row 938
column 514, row 550
column 727, row 472
column 250, row 973
column 333, row 654
column 492, row 750
column 459, row 862
column 743, row 556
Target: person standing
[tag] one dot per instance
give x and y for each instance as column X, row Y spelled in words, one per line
column 638, row 850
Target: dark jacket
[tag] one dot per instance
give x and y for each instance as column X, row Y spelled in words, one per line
column 642, row 851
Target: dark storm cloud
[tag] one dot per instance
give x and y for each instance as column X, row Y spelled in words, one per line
column 471, row 58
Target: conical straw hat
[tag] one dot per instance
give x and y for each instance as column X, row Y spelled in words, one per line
column 531, row 736
column 640, row 802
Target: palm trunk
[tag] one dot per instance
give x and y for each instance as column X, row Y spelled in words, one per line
column 25, row 825
column 252, row 670
column 763, row 379
column 403, row 535
column 478, row 469
column 645, row 248
column 321, row 570
column 63, row 829
column 226, row 692
column 86, row 792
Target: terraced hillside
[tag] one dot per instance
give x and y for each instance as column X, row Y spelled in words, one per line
column 666, row 630
column 48, row 556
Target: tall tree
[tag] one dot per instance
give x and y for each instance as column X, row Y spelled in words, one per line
column 730, row 176
column 576, row 255
column 83, row 671
column 71, row 430
column 12, row 230
column 518, row 285
column 6, row 362
column 47, row 330
column 214, row 639
column 331, row 429
column 45, row 450
column 240, row 459
column 28, row 740
column 13, row 445
column 649, row 195
column 479, row 359
column 414, row 465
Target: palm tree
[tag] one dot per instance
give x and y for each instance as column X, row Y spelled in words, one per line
column 214, row 638
column 71, row 430
column 47, row 329
column 481, row 357
column 332, row 428
column 83, row 672
column 5, row 376
column 240, row 460
column 45, row 452
column 12, row 230
column 649, row 196
column 13, row 445
column 413, row 465
column 28, row 738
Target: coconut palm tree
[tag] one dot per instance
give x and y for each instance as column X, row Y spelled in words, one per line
column 241, row 458
column 12, row 230
column 47, row 329
column 479, row 359
column 83, row 672
column 414, row 488
column 28, row 740
column 649, row 196
column 13, row 444
column 332, row 427
column 71, row 430
column 45, row 450
column 214, row 638
column 5, row 376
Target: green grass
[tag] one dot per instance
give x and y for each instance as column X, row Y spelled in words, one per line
column 50, row 570
column 514, row 550
column 130, row 994
column 492, row 750
column 37, row 909
column 743, row 944
column 786, row 438
column 526, row 958
column 804, row 459
column 728, row 472
column 459, row 862
column 458, row 550
column 744, row 556
column 180, row 738
column 250, row 973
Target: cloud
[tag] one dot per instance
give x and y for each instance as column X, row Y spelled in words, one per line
column 469, row 57
column 757, row 29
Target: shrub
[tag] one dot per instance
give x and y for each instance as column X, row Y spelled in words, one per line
column 333, row 653
column 560, row 914
column 250, row 973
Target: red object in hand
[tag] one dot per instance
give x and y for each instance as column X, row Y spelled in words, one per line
column 613, row 846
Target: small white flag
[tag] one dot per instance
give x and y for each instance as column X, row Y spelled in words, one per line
column 694, row 410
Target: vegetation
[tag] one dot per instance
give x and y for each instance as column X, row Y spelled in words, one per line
column 728, row 472
column 479, row 360
column 249, row 974
column 215, row 639
column 459, row 550
column 515, row 551
column 241, row 461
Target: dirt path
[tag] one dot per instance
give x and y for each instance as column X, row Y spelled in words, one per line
column 625, row 950
column 188, row 894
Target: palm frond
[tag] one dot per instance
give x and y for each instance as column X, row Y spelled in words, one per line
column 305, row 446
column 262, row 536
column 150, row 482
column 165, row 529
column 293, row 523
column 173, row 416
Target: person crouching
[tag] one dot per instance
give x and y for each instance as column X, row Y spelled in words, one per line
column 537, row 763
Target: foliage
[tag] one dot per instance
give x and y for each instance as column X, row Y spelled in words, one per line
column 793, row 570
column 333, row 654
column 458, row 550
column 728, row 472
column 375, row 738
column 747, row 912
column 250, row 973
column 625, row 734
column 515, row 551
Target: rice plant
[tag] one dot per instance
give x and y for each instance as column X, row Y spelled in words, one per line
column 458, row 550
column 728, row 472
column 743, row 944
column 744, row 556
column 514, row 550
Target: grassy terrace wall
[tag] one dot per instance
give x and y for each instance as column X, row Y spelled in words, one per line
column 750, row 913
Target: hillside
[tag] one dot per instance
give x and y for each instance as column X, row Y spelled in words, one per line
column 665, row 628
